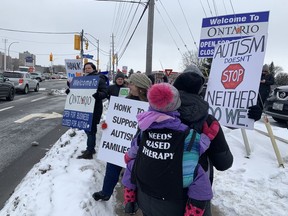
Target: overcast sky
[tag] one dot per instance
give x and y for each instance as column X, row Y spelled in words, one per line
column 97, row 18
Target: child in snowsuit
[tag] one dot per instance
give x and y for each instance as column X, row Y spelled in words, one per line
column 166, row 172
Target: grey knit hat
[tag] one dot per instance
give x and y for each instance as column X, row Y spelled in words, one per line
column 140, row 80
column 265, row 68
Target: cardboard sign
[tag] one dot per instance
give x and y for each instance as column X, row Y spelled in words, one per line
column 79, row 105
column 122, row 126
column 234, row 80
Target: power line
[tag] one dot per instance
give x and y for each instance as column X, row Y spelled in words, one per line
column 169, row 32
column 203, row 8
column 120, row 56
column 174, row 26
column 209, row 7
column 188, row 25
column 37, row 32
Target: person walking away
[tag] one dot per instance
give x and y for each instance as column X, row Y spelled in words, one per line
column 267, row 80
column 102, row 93
column 138, row 84
column 194, row 113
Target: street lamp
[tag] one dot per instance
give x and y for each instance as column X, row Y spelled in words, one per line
column 9, row 51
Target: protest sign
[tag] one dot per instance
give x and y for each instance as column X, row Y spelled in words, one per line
column 226, row 28
column 122, row 126
column 79, row 105
column 73, row 68
column 234, row 80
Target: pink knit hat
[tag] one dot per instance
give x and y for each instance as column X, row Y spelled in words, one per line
column 164, row 97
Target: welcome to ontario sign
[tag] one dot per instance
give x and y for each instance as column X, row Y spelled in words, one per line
column 227, row 28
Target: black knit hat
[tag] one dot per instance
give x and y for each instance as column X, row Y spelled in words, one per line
column 191, row 80
column 119, row 75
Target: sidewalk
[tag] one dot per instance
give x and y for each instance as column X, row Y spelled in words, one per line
column 120, row 200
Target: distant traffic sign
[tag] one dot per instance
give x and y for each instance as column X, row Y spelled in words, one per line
column 88, row 56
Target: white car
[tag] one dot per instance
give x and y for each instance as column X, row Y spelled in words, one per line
column 38, row 76
column 22, row 81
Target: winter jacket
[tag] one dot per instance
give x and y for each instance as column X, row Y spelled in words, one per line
column 194, row 113
column 160, row 184
column 265, row 88
column 102, row 93
column 113, row 90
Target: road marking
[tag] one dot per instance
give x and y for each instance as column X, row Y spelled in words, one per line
column 38, row 99
column 39, row 115
column 6, row 108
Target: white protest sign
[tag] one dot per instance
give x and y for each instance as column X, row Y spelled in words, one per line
column 122, row 126
column 73, row 68
column 226, row 28
column 234, row 80
column 79, row 105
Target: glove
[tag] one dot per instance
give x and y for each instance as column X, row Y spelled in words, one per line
column 254, row 112
column 67, row 91
column 104, row 125
column 195, row 208
column 96, row 95
column 127, row 158
column 211, row 131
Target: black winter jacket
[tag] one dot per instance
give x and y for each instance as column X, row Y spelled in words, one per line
column 101, row 94
column 194, row 112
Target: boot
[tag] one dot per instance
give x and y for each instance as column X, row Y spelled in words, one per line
column 86, row 155
column 131, row 208
column 93, row 152
column 100, row 196
column 130, row 203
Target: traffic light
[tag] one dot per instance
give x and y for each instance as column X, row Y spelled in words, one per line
column 86, row 45
column 77, row 57
column 85, row 60
column 51, row 57
column 77, row 40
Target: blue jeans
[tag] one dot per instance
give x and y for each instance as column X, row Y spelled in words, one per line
column 91, row 140
column 111, row 178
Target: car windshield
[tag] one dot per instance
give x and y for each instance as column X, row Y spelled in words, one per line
column 12, row 75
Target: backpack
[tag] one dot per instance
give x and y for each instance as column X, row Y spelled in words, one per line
column 191, row 155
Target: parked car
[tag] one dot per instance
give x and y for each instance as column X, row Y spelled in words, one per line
column 7, row 89
column 276, row 104
column 38, row 76
column 22, row 81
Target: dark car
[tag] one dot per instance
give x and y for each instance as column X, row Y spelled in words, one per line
column 276, row 104
column 7, row 89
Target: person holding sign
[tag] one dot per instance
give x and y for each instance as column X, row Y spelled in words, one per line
column 267, row 80
column 138, row 84
column 102, row 93
column 194, row 113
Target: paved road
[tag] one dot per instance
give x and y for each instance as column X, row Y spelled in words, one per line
column 27, row 119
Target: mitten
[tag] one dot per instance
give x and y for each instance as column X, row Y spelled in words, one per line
column 130, row 203
column 127, row 158
column 193, row 210
column 129, row 195
column 212, row 130
column 104, row 125
column 67, row 91
column 254, row 112
column 96, row 95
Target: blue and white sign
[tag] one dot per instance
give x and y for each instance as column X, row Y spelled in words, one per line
column 223, row 29
column 79, row 106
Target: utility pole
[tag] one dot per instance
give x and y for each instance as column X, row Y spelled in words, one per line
column 149, row 49
column 98, row 55
column 113, row 56
column 81, row 44
column 5, row 42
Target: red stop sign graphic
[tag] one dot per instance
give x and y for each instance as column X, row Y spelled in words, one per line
column 232, row 76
